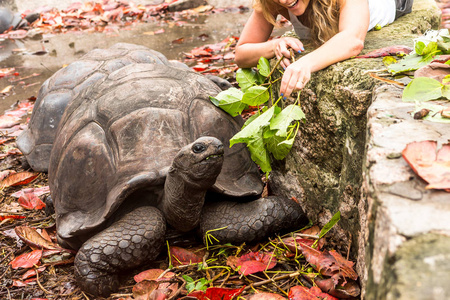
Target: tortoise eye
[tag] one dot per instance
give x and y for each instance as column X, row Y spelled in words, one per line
column 198, row 148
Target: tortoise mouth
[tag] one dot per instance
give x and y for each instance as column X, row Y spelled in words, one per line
column 214, row 156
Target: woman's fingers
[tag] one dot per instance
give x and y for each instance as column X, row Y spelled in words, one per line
column 294, row 79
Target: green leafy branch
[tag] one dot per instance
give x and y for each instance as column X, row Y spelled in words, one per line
column 271, row 131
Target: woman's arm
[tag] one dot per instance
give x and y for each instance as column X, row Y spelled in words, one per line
column 349, row 41
column 253, row 42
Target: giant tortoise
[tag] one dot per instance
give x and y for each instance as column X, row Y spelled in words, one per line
column 36, row 141
column 142, row 148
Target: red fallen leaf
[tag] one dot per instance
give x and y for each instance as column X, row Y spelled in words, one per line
column 11, row 217
column 11, row 152
column 392, row 50
column 167, row 288
column 254, row 262
column 432, row 167
column 143, row 289
column 36, row 191
column 303, row 293
column 266, row 296
column 200, row 52
column 31, row 201
column 214, row 293
column 33, row 239
column 6, row 71
column 8, row 121
column 4, row 140
column 178, row 41
column 294, row 243
column 23, row 283
column 16, row 113
column 32, row 272
column 6, row 173
column 151, row 274
column 182, row 256
column 228, row 56
column 17, row 34
column 18, row 179
column 435, row 70
column 349, row 289
column 441, row 58
column 27, row 260
column 329, row 263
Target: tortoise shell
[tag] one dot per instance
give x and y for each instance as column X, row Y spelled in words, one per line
column 118, row 137
column 56, row 92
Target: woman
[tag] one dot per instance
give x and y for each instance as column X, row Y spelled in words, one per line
column 338, row 27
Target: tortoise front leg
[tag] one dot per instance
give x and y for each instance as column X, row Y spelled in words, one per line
column 251, row 221
column 138, row 236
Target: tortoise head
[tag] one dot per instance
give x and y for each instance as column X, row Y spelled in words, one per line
column 200, row 161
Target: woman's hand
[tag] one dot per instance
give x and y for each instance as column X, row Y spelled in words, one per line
column 282, row 46
column 295, row 77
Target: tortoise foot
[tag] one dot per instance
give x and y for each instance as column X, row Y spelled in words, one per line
column 93, row 280
column 137, row 237
column 232, row 222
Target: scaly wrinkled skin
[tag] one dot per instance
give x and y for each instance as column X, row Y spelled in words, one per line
column 252, row 221
column 136, row 237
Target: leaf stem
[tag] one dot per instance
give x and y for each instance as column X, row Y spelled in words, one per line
column 275, row 67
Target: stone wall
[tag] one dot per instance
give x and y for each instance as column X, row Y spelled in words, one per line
column 347, row 155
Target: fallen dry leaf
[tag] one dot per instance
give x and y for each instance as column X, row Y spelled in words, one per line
column 266, row 296
column 18, row 179
column 181, row 256
column 349, row 289
column 215, row 293
column 391, row 50
column 252, row 262
column 33, row 239
column 429, row 164
column 303, row 293
column 27, row 260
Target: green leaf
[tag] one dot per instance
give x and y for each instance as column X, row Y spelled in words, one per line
column 246, row 78
column 277, row 145
column 430, row 48
column 230, row 101
column 252, row 130
column 264, row 66
column 422, row 89
column 389, row 60
column 188, row 278
column 259, row 153
column 282, row 120
column 249, row 120
column 256, row 95
column 328, row 226
column 444, row 46
column 445, row 91
column 446, row 80
column 410, row 62
column 419, row 47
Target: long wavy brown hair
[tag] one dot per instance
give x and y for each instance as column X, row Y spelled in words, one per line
column 322, row 16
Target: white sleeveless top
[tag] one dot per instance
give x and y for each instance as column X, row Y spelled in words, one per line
column 381, row 12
